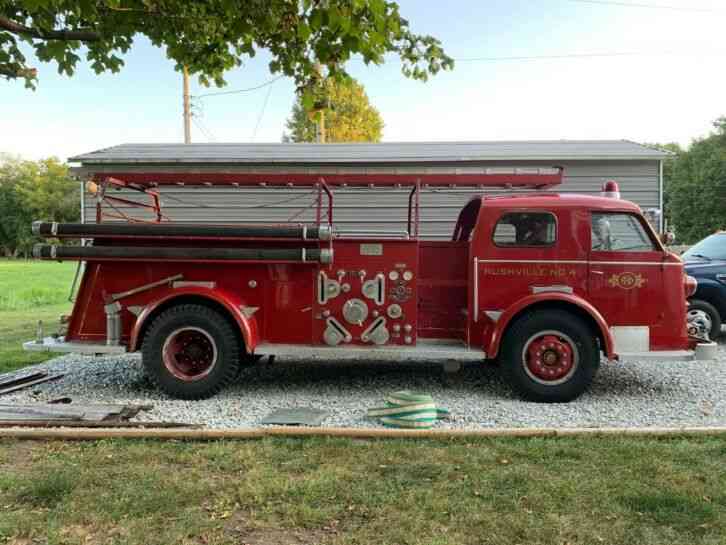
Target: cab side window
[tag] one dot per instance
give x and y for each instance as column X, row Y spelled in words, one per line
column 517, row 229
column 614, row 232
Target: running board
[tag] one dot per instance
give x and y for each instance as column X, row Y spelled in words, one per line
column 430, row 351
column 703, row 352
column 58, row 344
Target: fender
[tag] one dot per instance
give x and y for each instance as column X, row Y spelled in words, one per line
column 501, row 324
column 230, row 301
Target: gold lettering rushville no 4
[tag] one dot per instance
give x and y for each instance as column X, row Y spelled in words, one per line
column 557, row 272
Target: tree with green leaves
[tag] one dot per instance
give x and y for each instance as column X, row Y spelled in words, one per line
column 348, row 114
column 13, row 217
column 669, row 164
column 31, row 190
column 696, row 193
column 214, row 36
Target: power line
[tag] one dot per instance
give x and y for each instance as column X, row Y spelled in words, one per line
column 203, row 128
column 544, row 57
column 235, row 91
column 584, row 55
column 571, row 56
column 647, row 6
column 262, row 113
column 501, row 59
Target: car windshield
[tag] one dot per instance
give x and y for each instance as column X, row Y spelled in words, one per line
column 711, row 247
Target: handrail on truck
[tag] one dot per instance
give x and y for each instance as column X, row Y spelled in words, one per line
column 323, row 187
column 417, row 192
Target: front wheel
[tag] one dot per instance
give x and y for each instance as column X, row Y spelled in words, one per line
column 550, row 356
column 191, row 352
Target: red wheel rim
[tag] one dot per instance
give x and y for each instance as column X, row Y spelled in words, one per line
column 189, row 353
column 550, row 357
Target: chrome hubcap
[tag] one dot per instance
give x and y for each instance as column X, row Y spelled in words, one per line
column 701, row 321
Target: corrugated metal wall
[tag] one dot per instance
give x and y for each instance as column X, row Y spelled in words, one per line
column 380, row 208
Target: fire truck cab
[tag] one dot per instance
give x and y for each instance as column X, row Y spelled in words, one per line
column 547, row 284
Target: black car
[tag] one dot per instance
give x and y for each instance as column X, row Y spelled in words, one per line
column 706, row 262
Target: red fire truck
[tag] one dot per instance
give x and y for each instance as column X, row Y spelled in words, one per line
column 547, row 284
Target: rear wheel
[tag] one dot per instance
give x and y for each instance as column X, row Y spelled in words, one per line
column 550, row 356
column 191, row 352
column 705, row 317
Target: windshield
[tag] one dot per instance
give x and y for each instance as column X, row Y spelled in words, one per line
column 711, row 247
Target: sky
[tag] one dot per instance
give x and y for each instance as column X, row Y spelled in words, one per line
column 644, row 70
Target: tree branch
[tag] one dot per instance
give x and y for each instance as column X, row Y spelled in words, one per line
column 13, row 72
column 80, row 35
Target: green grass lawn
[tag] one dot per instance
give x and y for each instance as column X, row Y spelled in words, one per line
column 30, row 291
column 290, row 491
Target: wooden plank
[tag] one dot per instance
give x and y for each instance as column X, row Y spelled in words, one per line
column 22, row 385
column 73, row 411
column 11, row 379
column 185, row 434
column 80, row 424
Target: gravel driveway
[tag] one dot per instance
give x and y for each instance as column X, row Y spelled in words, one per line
column 624, row 394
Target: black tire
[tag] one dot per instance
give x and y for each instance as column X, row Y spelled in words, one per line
column 215, row 340
column 699, row 305
column 577, row 345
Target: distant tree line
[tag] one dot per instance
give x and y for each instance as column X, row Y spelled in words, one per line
column 694, row 181
column 33, row 190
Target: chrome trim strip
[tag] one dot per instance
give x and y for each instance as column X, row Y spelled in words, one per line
column 194, row 283
column 476, row 289
column 661, row 216
column 422, row 351
column 493, row 315
column 145, row 287
column 136, row 310
column 247, row 312
column 560, row 288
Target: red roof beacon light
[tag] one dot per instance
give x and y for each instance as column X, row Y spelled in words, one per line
column 611, row 189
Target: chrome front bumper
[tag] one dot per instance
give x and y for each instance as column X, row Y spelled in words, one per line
column 703, row 352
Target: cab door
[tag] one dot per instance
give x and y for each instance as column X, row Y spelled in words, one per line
column 625, row 278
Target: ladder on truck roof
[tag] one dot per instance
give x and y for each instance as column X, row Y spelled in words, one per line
column 148, row 182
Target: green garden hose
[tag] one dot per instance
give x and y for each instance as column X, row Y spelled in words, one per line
column 406, row 409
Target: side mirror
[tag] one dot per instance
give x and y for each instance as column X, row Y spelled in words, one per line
column 667, row 238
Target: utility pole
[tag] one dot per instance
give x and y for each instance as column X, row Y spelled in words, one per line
column 187, row 109
column 321, row 122
column 321, row 127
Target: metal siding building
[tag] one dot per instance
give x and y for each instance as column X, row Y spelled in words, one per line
column 587, row 164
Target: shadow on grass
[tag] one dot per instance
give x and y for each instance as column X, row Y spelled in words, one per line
column 672, row 509
column 46, row 490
